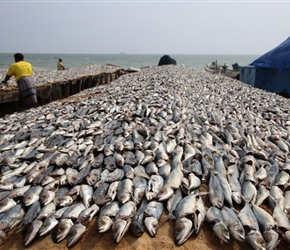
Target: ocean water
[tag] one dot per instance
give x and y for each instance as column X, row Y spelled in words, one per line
column 49, row 61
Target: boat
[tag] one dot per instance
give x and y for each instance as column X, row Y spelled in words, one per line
column 223, row 69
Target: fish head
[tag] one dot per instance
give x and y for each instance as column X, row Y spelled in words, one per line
column 137, row 228
column 221, row 231
column 104, row 224
column 165, row 193
column 63, row 229
column 271, row 237
column 256, row 240
column 237, row 197
column 182, row 229
column 151, row 224
column 138, row 195
column 119, row 228
column 237, row 231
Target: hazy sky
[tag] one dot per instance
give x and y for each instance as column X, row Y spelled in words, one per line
column 143, row 27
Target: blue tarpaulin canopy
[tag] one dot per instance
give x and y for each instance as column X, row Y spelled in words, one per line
column 277, row 58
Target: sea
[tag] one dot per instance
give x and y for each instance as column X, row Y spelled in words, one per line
column 123, row 60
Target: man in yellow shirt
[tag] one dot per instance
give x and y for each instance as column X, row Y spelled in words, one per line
column 60, row 65
column 22, row 71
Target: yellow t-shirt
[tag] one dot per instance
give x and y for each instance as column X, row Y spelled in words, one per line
column 20, row 69
column 60, row 66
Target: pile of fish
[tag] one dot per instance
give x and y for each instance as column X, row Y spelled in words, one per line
column 43, row 76
column 142, row 146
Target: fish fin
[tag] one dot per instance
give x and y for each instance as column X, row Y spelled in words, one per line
column 170, row 216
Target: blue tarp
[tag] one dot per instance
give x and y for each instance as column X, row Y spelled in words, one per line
column 277, row 58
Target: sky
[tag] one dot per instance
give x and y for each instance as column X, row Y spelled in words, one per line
column 143, row 27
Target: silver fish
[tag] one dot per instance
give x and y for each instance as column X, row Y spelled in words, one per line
column 233, row 223
column 32, row 232
column 136, row 226
column 49, row 223
column 153, row 214
column 173, row 181
column 86, row 193
column 125, row 191
column 6, row 204
column 119, row 228
column 46, row 211
column 139, row 187
column 75, row 233
column 31, row 214
column 105, row 222
column 216, row 194
column 31, row 195
column 214, row 216
column 183, row 229
column 63, row 229
column 87, row 214
column 172, row 203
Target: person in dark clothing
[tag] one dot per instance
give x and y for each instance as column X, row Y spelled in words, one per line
column 166, row 60
column 23, row 71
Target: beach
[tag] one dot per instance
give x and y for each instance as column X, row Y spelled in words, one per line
column 212, row 122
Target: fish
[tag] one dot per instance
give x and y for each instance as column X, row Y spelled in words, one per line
column 216, row 194
column 125, row 191
column 75, row 233
column 136, row 226
column 119, row 228
column 49, row 223
column 32, row 231
column 32, row 195
column 63, row 228
column 233, row 223
column 6, row 204
column 214, row 216
column 182, row 230
column 173, row 181
column 86, row 193
column 12, row 217
column 139, row 187
column 107, row 212
column 100, row 196
column 153, row 214
column 31, row 214
column 172, row 203
column 87, row 214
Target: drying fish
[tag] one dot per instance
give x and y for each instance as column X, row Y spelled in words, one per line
column 136, row 226
column 172, row 203
column 182, row 230
column 233, row 223
column 153, row 214
column 32, row 231
column 214, row 216
column 75, row 233
column 173, row 181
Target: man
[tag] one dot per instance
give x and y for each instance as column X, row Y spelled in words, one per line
column 22, row 71
column 60, row 65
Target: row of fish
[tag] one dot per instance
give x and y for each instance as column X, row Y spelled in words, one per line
column 144, row 146
column 43, row 76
